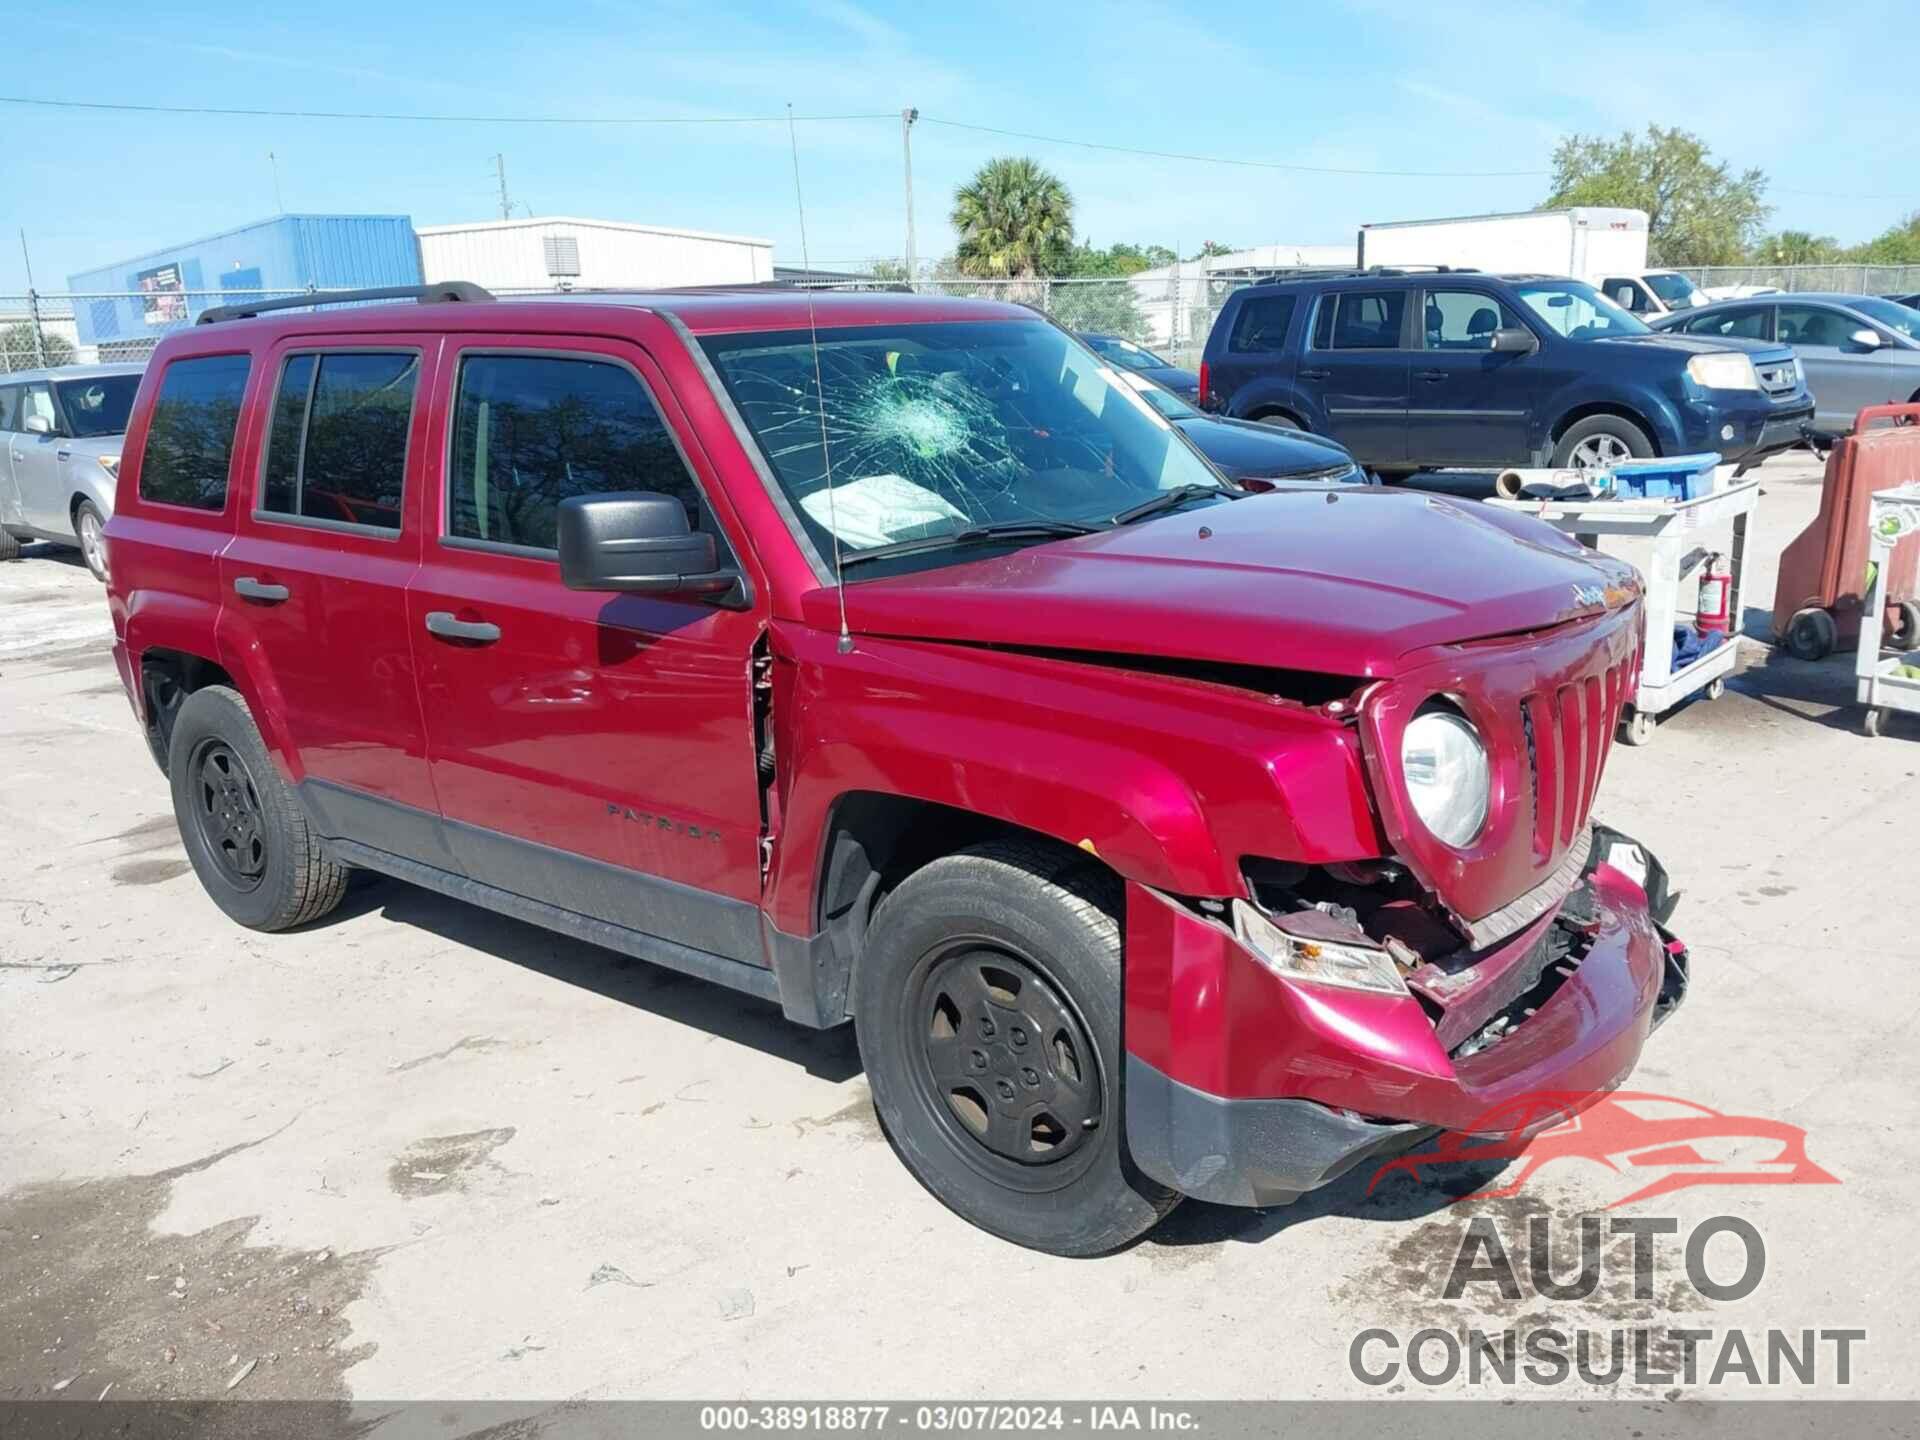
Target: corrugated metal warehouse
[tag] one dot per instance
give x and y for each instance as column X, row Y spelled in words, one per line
column 570, row 253
column 288, row 252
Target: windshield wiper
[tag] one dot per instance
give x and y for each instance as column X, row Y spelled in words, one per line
column 973, row 535
column 1167, row 500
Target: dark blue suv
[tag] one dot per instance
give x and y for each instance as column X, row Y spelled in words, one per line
column 1455, row 367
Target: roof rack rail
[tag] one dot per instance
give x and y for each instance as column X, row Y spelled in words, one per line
column 1271, row 277
column 423, row 294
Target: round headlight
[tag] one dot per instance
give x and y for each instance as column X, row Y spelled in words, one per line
column 1445, row 765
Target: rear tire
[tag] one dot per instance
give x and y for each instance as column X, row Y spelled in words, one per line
column 1280, row 422
column 241, row 824
column 1600, row 440
column 987, row 1008
column 9, row 545
column 1906, row 631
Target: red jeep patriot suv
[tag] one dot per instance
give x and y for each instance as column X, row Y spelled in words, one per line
column 889, row 658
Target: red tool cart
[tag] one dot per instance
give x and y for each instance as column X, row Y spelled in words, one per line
column 1823, row 571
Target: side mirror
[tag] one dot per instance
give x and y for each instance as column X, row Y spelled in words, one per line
column 637, row 542
column 1864, row 338
column 1514, row 340
column 39, row 425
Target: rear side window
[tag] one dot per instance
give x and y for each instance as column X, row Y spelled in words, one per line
column 1749, row 324
column 1369, row 320
column 532, row 430
column 190, row 437
column 1261, row 326
column 338, row 448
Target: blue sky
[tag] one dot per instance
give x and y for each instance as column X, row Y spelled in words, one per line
column 1361, row 84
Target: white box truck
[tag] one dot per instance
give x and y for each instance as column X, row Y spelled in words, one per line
column 1605, row 247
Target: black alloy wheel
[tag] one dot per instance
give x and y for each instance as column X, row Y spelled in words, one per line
column 1007, row 1066
column 228, row 814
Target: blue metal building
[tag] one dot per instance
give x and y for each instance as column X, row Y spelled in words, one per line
column 165, row 289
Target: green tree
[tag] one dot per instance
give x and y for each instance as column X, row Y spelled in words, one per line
column 1797, row 247
column 1014, row 219
column 1896, row 245
column 1698, row 211
column 1085, row 261
column 17, row 351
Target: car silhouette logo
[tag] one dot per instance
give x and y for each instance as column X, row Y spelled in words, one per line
column 1673, row 1144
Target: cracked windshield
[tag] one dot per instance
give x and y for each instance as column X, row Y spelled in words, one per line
column 939, row 432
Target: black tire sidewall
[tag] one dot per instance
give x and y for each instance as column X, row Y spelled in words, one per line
column 217, row 713
column 1639, row 444
column 1811, row 636
column 1105, row 1204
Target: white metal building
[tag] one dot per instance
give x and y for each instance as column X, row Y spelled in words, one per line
column 569, row 253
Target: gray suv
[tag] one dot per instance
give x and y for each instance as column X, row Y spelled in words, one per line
column 1856, row 350
column 60, row 435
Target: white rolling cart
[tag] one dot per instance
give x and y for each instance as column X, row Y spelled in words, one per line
column 1672, row 529
column 1892, row 515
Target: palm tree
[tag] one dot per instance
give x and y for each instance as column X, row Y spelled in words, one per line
column 1797, row 247
column 1015, row 220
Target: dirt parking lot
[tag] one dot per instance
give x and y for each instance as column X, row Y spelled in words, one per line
column 423, row 1151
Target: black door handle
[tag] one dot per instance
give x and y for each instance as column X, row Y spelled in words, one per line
column 1432, row 376
column 1315, row 374
column 443, row 624
column 253, row 589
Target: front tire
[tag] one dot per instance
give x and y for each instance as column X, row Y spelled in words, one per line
column 9, row 545
column 89, row 528
column 987, row 1008
column 1600, row 440
column 241, row 824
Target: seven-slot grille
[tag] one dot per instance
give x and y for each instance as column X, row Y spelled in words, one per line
column 1568, row 731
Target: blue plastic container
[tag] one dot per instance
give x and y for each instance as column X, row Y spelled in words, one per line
column 1672, row 477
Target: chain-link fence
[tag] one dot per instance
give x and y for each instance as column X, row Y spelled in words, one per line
column 1835, row 279
column 1169, row 313
column 93, row 328
column 1166, row 311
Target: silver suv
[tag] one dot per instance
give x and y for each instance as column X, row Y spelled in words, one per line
column 60, row 434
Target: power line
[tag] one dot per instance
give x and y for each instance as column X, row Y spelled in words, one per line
column 1229, row 160
column 255, row 114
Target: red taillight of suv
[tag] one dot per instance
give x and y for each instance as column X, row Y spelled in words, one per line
column 1201, row 398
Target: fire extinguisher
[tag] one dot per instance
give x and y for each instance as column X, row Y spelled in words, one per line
column 1716, row 592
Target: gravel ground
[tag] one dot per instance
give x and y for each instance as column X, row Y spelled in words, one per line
column 420, row 1151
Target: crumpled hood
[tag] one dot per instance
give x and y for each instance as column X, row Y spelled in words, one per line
column 1342, row 583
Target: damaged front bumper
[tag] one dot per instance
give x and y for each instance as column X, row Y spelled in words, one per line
column 1244, row 1088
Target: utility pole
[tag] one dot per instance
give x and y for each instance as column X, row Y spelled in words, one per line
column 279, row 205
column 500, row 169
column 33, row 304
column 907, row 117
